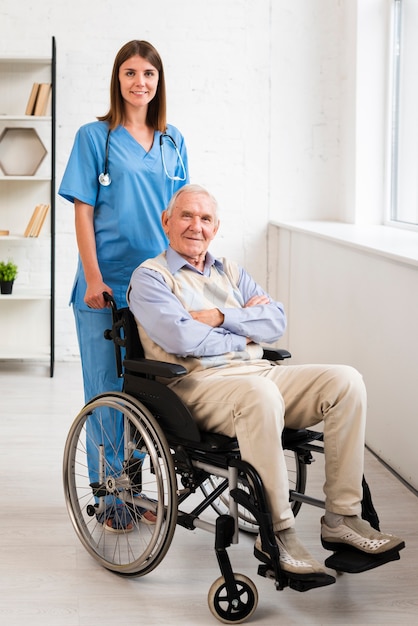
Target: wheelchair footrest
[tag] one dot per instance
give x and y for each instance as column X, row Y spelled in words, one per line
column 305, row 582
column 267, row 572
column 355, row 562
column 298, row 582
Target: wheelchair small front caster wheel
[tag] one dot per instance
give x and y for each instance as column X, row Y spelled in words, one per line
column 91, row 510
column 233, row 610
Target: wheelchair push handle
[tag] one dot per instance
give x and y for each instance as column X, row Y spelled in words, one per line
column 109, row 299
column 113, row 334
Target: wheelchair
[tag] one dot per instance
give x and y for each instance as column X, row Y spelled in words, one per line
column 150, row 456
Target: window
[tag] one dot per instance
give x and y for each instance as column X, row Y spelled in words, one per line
column 404, row 114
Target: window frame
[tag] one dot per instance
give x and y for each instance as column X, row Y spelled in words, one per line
column 395, row 214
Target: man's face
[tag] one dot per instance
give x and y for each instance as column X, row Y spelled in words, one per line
column 192, row 225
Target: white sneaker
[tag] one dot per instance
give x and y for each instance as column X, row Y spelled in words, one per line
column 355, row 532
column 293, row 556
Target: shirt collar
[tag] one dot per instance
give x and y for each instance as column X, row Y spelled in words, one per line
column 175, row 261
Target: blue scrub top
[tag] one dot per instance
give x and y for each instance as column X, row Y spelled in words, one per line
column 127, row 213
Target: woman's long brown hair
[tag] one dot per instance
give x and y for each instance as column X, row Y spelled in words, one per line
column 157, row 108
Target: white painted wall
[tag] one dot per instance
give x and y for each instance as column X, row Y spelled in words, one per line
column 350, row 305
column 306, row 102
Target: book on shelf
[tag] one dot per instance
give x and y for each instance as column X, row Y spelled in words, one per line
column 36, row 221
column 39, row 98
column 32, row 99
column 42, row 99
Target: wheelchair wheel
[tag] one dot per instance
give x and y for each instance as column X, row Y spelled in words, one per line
column 297, row 474
column 233, row 610
column 117, row 465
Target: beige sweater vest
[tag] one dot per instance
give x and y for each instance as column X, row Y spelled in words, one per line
column 197, row 292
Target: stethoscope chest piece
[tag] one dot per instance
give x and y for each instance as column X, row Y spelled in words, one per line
column 104, row 179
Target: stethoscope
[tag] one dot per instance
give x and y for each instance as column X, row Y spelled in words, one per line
column 104, row 177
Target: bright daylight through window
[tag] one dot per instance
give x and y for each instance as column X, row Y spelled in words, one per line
column 404, row 116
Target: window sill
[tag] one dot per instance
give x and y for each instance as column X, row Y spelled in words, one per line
column 392, row 243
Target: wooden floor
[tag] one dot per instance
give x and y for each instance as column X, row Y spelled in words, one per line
column 47, row 578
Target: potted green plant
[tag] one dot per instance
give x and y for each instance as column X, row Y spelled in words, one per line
column 8, row 273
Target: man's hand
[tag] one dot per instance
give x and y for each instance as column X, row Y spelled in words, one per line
column 214, row 318
column 257, row 300
column 253, row 302
column 211, row 317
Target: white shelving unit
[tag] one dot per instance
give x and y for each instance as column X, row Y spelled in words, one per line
column 27, row 315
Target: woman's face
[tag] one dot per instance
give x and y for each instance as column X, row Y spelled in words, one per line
column 138, row 81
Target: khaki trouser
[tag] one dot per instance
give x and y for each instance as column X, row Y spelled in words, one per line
column 254, row 402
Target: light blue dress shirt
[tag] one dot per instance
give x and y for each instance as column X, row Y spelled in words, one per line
column 170, row 325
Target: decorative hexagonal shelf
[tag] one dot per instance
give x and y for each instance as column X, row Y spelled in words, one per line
column 21, row 151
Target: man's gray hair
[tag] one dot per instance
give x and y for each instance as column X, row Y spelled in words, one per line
column 198, row 189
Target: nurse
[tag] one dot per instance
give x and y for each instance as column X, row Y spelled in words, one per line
column 122, row 171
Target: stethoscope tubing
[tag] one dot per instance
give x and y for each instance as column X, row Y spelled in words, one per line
column 105, row 179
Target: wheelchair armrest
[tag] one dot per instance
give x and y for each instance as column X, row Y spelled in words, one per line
column 276, row 354
column 154, row 368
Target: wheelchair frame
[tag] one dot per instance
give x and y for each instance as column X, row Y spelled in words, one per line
column 150, row 456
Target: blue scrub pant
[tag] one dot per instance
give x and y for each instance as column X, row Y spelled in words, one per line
column 99, row 376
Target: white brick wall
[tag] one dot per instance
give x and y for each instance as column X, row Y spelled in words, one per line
column 252, row 84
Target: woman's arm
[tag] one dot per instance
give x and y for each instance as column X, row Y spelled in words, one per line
column 86, row 241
